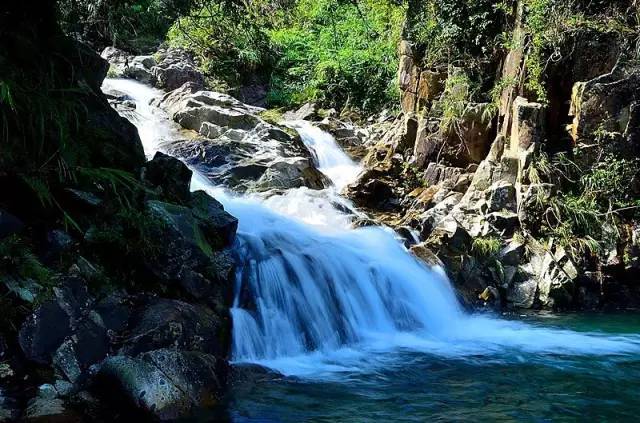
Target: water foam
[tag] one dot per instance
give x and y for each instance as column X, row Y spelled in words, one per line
column 315, row 297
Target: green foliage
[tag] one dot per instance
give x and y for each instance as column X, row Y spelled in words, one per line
column 591, row 199
column 274, row 116
column 334, row 52
column 548, row 23
column 230, row 44
column 138, row 25
column 337, row 53
column 456, row 31
column 456, row 97
column 487, row 247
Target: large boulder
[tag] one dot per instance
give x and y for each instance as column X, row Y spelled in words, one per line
column 166, row 384
column 171, row 175
column 236, row 148
column 175, row 67
column 190, row 257
column 175, row 324
column 66, row 331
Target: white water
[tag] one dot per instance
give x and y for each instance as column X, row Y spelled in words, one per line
column 314, row 297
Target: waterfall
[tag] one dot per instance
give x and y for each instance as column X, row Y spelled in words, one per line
column 314, row 295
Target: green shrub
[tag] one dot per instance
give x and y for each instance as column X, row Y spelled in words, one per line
column 333, row 52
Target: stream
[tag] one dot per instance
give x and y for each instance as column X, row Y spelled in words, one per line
column 362, row 331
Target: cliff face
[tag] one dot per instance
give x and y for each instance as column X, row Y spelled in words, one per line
column 517, row 161
column 115, row 279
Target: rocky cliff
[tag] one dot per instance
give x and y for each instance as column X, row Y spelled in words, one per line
column 523, row 183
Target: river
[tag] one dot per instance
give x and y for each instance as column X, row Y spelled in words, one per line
column 362, row 331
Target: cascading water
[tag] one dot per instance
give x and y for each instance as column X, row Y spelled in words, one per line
column 315, row 297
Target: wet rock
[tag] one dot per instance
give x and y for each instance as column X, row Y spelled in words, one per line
column 175, row 68
column 522, row 294
column 167, row 384
column 9, row 224
column 424, row 253
column 171, row 175
column 371, row 191
column 176, row 324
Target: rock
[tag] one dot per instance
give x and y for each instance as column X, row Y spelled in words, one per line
column 176, row 324
column 167, row 384
column 451, row 235
column 308, row 111
column 58, row 241
column 174, row 69
column 531, row 206
column 48, row 407
column 64, row 388
column 43, row 332
column 114, row 55
column 430, row 87
column 9, row 224
column 370, row 191
column 85, row 200
column 522, row 294
column 605, row 104
column 505, row 223
column 424, row 253
column 139, row 68
column 475, row 133
column 241, row 150
column 512, row 254
column 502, row 197
column 490, row 295
column 409, row 134
column 528, row 124
column 114, row 311
column 87, row 346
column 218, row 225
column 428, row 143
column 188, row 258
column 171, row 175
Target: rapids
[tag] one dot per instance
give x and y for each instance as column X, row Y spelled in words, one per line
column 317, row 299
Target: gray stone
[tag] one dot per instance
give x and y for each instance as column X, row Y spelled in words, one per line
column 167, row 384
column 522, row 294
column 502, row 197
